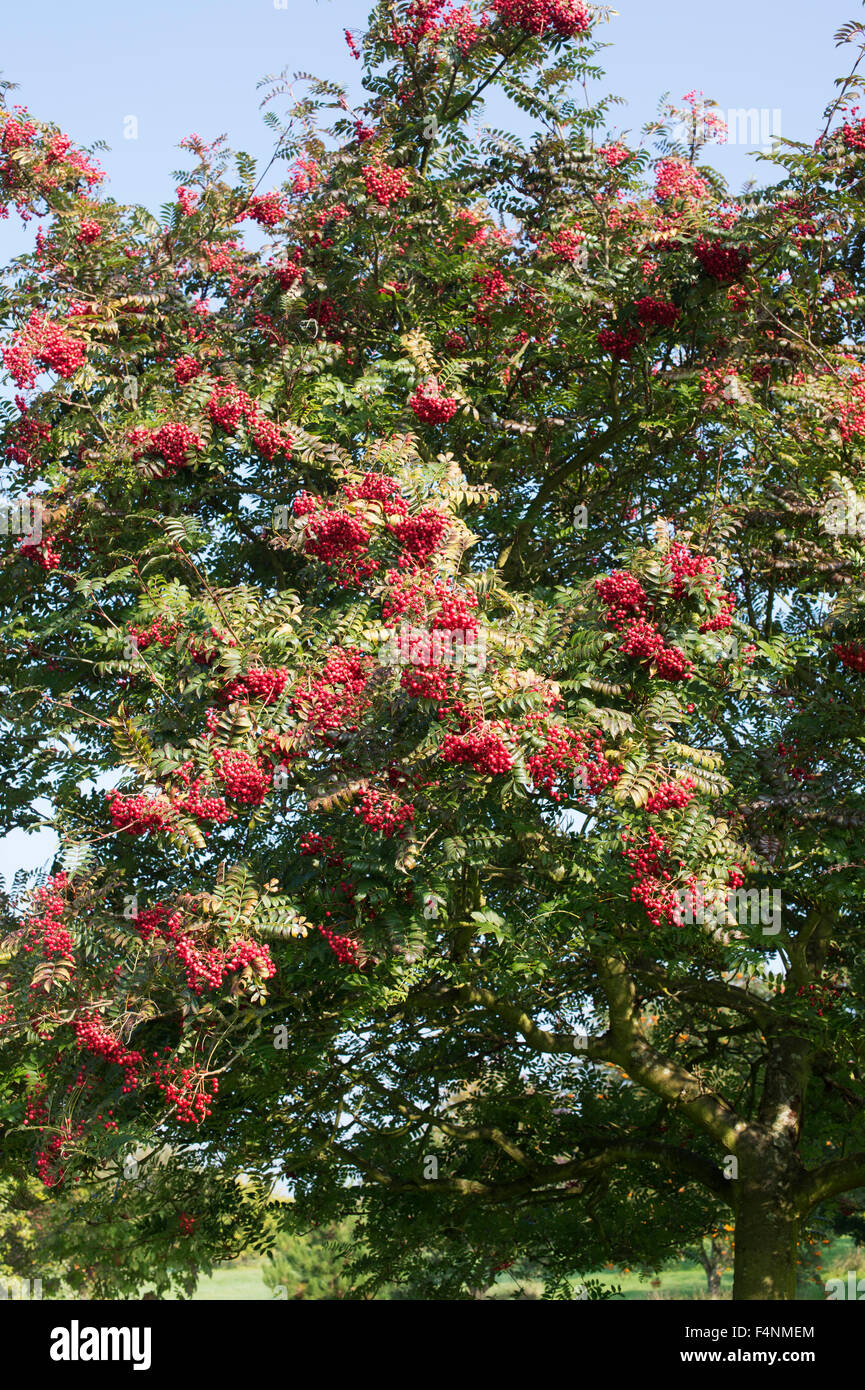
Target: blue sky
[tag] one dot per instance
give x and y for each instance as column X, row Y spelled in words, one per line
column 179, row 66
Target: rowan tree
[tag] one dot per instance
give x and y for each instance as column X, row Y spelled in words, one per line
column 433, row 629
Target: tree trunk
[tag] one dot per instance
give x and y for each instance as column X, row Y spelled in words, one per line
column 712, row 1261
column 767, row 1242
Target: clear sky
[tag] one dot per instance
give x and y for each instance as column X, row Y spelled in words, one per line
column 183, row 65
column 179, row 66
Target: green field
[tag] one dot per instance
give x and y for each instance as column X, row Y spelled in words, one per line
column 683, row 1281
column 233, row 1282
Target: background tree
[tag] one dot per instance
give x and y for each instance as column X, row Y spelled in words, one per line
column 714, row 1255
column 310, row 1264
column 423, row 627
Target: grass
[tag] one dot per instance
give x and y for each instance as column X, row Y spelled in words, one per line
column 235, row 1283
column 683, row 1281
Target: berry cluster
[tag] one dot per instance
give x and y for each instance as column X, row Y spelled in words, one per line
column 41, row 343
column 674, row 178
column 336, row 698
column 140, row 814
column 49, row 1164
column 650, row 880
column 407, row 593
column 313, row 843
column 228, row 405
column 671, row 664
column 430, row 22
column 334, row 536
column 187, row 200
column 722, row 262
column 494, row 287
column 854, row 135
column 149, row 922
column 851, row 413
column 89, row 231
column 422, row 533
column 218, row 255
column 42, row 929
column 567, row 242
column 244, row 779
column 430, row 406
column 42, row 552
column 723, row 619
column 203, row 652
column 136, row 815
column 822, row 997
column 619, row 343
column 266, row 209
column 796, row 769
column 17, row 133
column 25, row 437
column 92, row 1036
column 614, row 154
column 456, row 611
column 684, row 565
column 671, row 796
column 56, row 163
column 173, row 443
column 186, row 1090
column 564, row 18
column 288, row 273
column 186, row 369
column 305, row 175
column 203, row 808
column 382, row 812
column 720, row 384
column 657, row 313
column 378, row 488
column 851, row 655
column 431, row 682
column 567, row 755
column 344, row 947
column 469, row 230
column 265, row 683
column 481, row 748
column 623, row 595
column 205, row 968
column 625, row 600
column 643, row 640
column 385, row 184
column 145, row 636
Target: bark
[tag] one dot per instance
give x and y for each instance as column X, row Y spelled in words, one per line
column 769, row 1189
column 767, row 1242
column 712, row 1261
